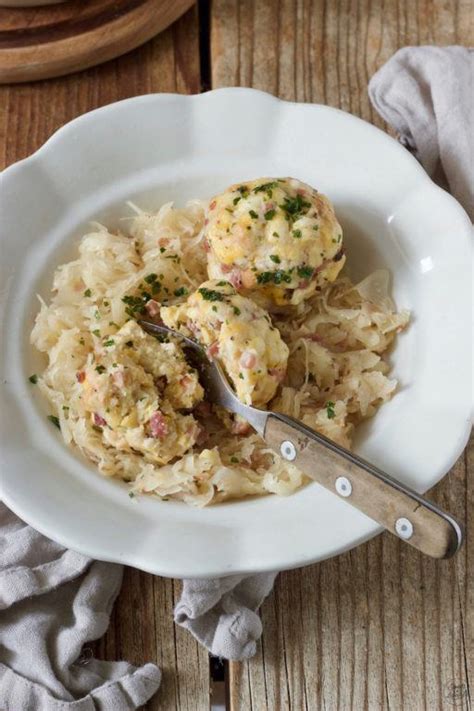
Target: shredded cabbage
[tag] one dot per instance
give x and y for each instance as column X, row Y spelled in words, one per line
column 336, row 375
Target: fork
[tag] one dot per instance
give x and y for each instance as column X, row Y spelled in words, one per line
column 393, row 505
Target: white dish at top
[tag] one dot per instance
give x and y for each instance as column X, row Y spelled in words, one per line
column 156, row 148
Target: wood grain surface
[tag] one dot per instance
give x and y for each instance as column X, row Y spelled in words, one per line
column 44, row 42
column 380, row 627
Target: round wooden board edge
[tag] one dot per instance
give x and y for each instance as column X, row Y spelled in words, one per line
column 73, row 54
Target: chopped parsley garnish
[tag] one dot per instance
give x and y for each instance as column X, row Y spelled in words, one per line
column 150, row 278
column 253, row 214
column 331, row 413
column 110, row 342
column 131, row 494
column 100, row 369
column 55, row 421
column 243, row 190
column 280, row 276
column 162, row 249
column 82, row 341
column 315, row 228
column 270, row 214
column 210, row 294
column 65, row 408
column 234, row 460
column 236, row 199
column 230, row 210
column 174, row 257
column 295, row 207
column 305, row 272
column 241, row 376
column 106, row 303
column 275, row 234
column 135, row 304
column 97, row 316
column 214, row 308
column 96, row 332
column 223, row 283
column 275, row 258
column 129, row 344
column 276, row 277
column 182, row 291
column 88, row 292
column 237, row 311
column 33, row 379
column 296, row 233
column 266, row 188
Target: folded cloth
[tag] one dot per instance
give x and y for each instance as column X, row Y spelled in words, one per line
column 52, row 601
column 427, row 95
column 221, row 613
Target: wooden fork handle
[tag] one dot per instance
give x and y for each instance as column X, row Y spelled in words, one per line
column 394, row 506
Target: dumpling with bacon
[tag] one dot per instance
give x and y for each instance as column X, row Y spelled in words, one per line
column 277, row 238
column 237, row 332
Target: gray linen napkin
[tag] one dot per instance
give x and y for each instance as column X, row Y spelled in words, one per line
column 427, row 95
column 52, row 601
column 222, row 613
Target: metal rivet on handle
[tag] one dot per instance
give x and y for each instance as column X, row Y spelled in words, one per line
column 404, row 528
column 288, row 450
column 343, row 486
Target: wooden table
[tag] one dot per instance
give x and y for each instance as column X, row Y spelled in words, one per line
column 379, row 627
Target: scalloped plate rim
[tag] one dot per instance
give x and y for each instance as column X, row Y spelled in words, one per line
column 15, row 503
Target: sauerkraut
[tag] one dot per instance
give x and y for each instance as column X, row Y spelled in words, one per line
column 133, row 405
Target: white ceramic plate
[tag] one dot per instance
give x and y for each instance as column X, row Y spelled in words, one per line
column 155, row 148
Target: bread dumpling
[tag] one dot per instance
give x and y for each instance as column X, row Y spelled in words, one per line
column 277, row 238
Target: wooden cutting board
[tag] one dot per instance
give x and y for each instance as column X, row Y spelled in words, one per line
column 49, row 41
